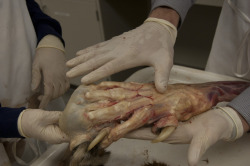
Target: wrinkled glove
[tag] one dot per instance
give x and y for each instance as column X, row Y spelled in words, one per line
column 150, row 44
column 49, row 70
column 42, row 125
column 201, row 131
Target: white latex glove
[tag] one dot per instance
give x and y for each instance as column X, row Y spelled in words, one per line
column 42, row 125
column 150, row 44
column 49, row 72
column 201, row 132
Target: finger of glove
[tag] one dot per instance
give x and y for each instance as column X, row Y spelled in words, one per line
column 53, row 131
column 61, row 82
column 60, row 88
column 36, row 78
column 162, row 73
column 82, row 58
column 88, row 66
column 199, row 145
column 86, row 54
column 57, row 87
column 54, row 135
column 44, row 101
column 52, row 117
column 47, row 96
column 105, row 71
column 91, row 48
column 78, row 60
column 65, row 85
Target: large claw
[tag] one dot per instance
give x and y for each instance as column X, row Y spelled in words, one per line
column 165, row 133
column 98, row 138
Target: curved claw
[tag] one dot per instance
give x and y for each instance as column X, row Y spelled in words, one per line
column 165, row 133
column 98, row 138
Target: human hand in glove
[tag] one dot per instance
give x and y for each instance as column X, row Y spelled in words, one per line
column 202, row 131
column 49, row 70
column 42, row 125
column 150, row 44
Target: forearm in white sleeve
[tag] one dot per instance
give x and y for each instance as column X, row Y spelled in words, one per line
column 242, row 104
column 180, row 6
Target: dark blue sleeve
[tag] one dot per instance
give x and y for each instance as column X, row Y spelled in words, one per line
column 8, row 122
column 43, row 24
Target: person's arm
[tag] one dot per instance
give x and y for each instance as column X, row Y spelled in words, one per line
column 242, row 105
column 169, row 9
column 150, row 44
column 167, row 14
column 8, row 122
column 32, row 123
column 43, row 24
column 49, row 69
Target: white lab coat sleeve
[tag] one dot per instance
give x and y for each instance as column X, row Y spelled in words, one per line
column 242, row 104
column 180, row 6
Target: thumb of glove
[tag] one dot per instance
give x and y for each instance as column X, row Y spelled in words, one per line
column 162, row 72
column 198, row 147
column 51, row 132
column 54, row 135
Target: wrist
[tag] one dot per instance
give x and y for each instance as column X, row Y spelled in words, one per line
column 51, row 41
column 166, row 24
column 244, row 123
column 235, row 121
column 167, row 14
column 20, row 125
column 243, row 120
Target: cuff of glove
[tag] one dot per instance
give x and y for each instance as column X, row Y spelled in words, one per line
column 166, row 24
column 238, row 127
column 51, row 41
column 19, row 124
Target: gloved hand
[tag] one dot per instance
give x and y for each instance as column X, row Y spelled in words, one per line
column 49, row 71
column 201, row 132
column 150, row 44
column 42, row 125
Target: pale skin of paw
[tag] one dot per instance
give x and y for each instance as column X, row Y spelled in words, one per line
column 136, row 104
column 91, row 108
